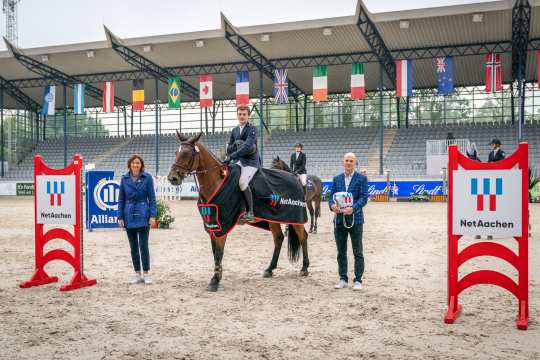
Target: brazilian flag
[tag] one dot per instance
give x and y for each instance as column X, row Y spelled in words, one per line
column 173, row 92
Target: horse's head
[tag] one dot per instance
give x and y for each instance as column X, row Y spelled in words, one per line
column 187, row 159
column 277, row 163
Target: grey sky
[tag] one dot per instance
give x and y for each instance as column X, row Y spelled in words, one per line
column 54, row 22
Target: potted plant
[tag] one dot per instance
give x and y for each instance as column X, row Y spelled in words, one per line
column 164, row 216
column 534, row 180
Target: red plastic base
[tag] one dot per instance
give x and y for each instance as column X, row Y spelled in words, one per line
column 40, row 277
column 452, row 313
column 523, row 318
column 77, row 282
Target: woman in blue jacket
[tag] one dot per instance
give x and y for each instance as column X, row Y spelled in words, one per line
column 136, row 212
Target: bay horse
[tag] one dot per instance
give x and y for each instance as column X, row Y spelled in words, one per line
column 193, row 158
column 313, row 194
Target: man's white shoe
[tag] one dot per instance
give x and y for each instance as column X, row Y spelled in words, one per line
column 147, row 279
column 342, row 284
column 136, row 279
column 357, row 285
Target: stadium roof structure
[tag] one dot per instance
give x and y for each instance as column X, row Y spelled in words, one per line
column 467, row 32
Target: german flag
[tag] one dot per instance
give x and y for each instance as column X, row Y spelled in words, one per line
column 138, row 95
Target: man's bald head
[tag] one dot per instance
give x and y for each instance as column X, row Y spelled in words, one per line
column 349, row 162
column 349, row 155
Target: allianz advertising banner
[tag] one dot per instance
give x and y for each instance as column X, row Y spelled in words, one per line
column 102, row 194
column 399, row 188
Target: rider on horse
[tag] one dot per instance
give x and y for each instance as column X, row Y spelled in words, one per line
column 298, row 165
column 242, row 150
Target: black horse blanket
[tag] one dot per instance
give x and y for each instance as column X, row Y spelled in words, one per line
column 277, row 198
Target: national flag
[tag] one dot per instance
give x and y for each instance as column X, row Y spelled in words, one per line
column 205, row 91
column 320, row 83
column 358, row 84
column 108, row 96
column 78, row 99
column 242, row 88
column 49, row 100
column 445, row 75
column 493, row 73
column 173, row 92
column 281, row 86
column 403, row 78
column 138, row 95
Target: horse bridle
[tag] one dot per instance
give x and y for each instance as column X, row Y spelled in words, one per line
column 187, row 171
column 190, row 170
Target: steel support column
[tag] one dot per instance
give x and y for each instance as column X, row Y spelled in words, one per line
column 125, row 121
column 512, row 105
column 156, row 101
column 305, row 112
column 521, row 111
column 2, row 130
column 65, row 125
column 261, row 116
column 407, row 113
column 381, row 119
column 296, row 113
column 398, row 113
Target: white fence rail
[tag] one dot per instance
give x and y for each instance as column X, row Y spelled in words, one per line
column 166, row 191
column 440, row 147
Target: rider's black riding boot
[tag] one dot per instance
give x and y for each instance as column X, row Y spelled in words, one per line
column 305, row 190
column 248, row 197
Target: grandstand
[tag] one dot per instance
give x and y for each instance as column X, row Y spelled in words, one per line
column 327, row 129
column 405, row 158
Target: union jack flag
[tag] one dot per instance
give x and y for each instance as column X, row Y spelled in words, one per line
column 281, row 86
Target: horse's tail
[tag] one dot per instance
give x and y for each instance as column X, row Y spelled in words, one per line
column 293, row 248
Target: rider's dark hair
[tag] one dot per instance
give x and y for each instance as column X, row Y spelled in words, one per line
column 242, row 108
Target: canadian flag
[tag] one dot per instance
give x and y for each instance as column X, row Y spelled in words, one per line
column 205, row 91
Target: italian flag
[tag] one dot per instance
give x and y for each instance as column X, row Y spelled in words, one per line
column 320, row 83
column 358, row 85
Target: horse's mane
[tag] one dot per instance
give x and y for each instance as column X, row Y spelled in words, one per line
column 199, row 143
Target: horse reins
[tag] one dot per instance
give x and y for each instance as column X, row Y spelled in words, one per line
column 189, row 170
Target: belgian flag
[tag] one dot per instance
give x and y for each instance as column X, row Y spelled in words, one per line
column 138, row 95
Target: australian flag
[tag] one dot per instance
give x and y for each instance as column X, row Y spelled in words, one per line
column 445, row 75
column 281, row 86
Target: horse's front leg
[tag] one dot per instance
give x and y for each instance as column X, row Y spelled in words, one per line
column 278, row 241
column 218, row 246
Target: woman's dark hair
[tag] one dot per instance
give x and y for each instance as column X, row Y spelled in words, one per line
column 133, row 157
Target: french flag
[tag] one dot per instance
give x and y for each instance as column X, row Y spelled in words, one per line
column 403, row 78
column 242, row 88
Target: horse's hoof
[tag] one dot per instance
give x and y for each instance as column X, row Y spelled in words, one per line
column 304, row 273
column 213, row 287
column 315, row 231
column 310, row 231
column 267, row 274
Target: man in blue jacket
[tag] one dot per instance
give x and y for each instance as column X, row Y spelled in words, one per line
column 349, row 219
column 242, row 150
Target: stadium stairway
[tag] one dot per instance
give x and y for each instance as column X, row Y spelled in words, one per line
column 374, row 150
